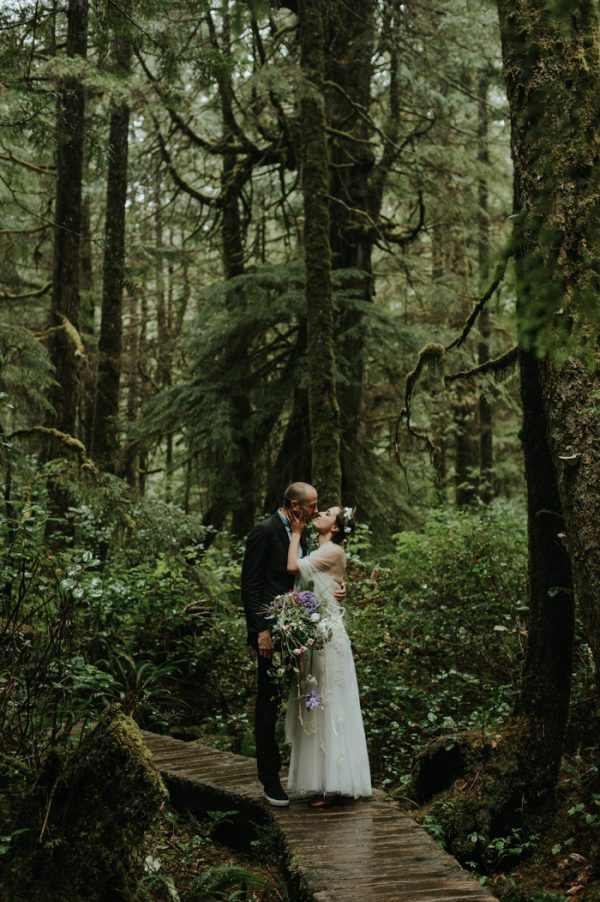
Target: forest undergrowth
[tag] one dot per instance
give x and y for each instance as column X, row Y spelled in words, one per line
column 131, row 602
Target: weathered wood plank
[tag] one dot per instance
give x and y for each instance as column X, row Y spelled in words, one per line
column 363, row 850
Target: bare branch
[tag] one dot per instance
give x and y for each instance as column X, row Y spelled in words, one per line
column 498, row 276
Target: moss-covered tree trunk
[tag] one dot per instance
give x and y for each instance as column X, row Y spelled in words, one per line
column 105, row 439
column 235, row 494
column 293, row 460
column 552, row 69
column 243, row 504
column 350, row 35
column 65, row 345
column 323, row 405
column 551, row 56
column 486, row 410
column 465, row 445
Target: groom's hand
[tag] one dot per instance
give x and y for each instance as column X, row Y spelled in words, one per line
column 340, row 593
column 265, row 645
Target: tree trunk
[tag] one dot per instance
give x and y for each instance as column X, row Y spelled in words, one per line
column 546, row 683
column 552, row 70
column 235, row 490
column 65, row 349
column 465, row 446
column 486, row 411
column 349, row 36
column 105, row 437
column 293, row 458
column 127, row 469
column 324, row 413
column 243, row 502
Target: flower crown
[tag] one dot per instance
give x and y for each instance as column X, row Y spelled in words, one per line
column 347, row 514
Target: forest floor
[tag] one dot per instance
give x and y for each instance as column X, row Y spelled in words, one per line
column 562, row 862
column 183, row 863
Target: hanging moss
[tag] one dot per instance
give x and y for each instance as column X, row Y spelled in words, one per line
column 86, row 820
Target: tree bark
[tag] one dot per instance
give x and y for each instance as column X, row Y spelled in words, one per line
column 551, row 61
column 65, row 350
column 324, row 413
column 349, row 35
column 552, row 70
column 486, row 410
column 465, row 445
column 105, row 436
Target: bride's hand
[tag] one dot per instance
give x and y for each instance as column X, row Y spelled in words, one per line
column 297, row 523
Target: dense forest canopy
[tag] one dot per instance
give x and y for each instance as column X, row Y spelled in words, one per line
column 201, row 393
column 354, row 243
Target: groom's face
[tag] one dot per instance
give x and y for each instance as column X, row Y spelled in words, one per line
column 308, row 506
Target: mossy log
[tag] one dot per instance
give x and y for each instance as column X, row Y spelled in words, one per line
column 443, row 761
column 491, row 786
column 86, row 820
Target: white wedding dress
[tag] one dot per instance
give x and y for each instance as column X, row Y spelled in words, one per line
column 329, row 750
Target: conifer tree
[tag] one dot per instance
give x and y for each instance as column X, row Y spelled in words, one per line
column 552, row 69
column 323, row 406
column 65, row 347
column 104, row 442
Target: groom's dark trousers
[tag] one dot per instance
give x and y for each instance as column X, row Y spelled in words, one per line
column 264, row 575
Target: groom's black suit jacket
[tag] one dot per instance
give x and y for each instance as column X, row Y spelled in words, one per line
column 264, row 571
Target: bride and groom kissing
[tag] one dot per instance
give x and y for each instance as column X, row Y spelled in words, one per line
column 328, row 748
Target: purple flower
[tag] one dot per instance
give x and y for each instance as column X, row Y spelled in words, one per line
column 309, row 601
column 313, row 700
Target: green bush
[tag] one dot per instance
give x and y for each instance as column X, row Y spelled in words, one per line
column 437, row 630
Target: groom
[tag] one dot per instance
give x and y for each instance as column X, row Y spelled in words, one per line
column 264, row 575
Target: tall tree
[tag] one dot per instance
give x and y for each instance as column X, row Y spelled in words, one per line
column 552, row 66
column 105, row 440
column 552, row 69
column 65, row 346
column 350, row 37
column 486, row 416
column 324, row 411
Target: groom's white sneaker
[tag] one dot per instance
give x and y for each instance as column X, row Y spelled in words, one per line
column 275, row 794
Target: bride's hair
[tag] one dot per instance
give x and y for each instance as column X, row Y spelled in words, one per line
column 346, row 524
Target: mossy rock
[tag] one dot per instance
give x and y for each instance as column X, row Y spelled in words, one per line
column 92, row 810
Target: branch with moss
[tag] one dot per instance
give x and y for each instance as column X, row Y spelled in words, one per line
column 499, row 366
column 35, row 293
column 10, row 157
column 432, row 357
column 72, row 334
column 74, row 444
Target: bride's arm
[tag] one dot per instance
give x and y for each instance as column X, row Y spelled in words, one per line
column 297, row 525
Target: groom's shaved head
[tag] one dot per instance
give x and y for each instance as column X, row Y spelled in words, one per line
column 298, row 491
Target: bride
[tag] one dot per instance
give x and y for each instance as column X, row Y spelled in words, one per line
column 329, row 750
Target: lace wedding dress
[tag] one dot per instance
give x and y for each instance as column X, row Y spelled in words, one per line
column 329, row 750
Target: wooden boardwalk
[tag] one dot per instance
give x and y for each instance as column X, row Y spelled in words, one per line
column 366, row 850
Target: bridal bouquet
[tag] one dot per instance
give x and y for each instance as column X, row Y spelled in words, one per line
column 300, row 630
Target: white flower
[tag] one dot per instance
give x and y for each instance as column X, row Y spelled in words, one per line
column 315, row 617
